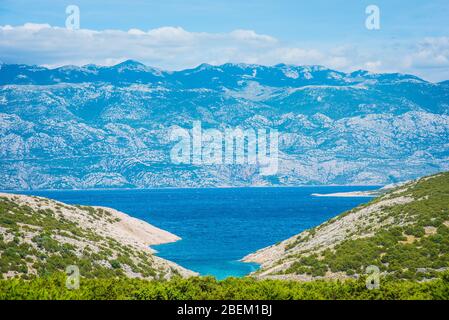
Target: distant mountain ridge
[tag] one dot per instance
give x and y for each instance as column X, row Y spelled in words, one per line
column 280, row 75
column 103, row 127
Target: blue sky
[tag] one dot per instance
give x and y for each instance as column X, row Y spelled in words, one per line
column 413, row 38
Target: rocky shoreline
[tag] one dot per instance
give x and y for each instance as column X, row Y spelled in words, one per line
column 98, row 230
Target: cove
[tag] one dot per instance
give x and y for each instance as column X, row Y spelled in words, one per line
column 219, row 226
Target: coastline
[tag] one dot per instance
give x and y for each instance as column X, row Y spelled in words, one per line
column 133, row 233
column 134, row 201
column 17, row 191
column 130, row 230
column 363, row 194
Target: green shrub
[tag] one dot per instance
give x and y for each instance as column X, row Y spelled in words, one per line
column 53, row 287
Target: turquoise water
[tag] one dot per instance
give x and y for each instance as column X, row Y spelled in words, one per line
column 220, row 226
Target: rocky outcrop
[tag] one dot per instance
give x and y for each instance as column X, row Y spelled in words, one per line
column 40, row 235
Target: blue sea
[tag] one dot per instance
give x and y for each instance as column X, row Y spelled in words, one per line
column 218, row 227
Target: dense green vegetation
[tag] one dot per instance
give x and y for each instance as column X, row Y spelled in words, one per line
column 200, row 288
column 413, row 245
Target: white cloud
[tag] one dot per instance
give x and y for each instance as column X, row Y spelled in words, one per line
column 167, row 47
column 431, row 53
column 175, row 48
column 430, row 57
column 250, row 35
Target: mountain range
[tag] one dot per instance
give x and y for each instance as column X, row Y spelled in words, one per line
column 109, row 127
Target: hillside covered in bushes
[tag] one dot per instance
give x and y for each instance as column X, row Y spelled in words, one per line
column 39, row 237
column 404, row 232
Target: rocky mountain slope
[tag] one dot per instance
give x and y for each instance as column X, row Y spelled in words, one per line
column 39, row 236
column 94, row 127
column 404, row 232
